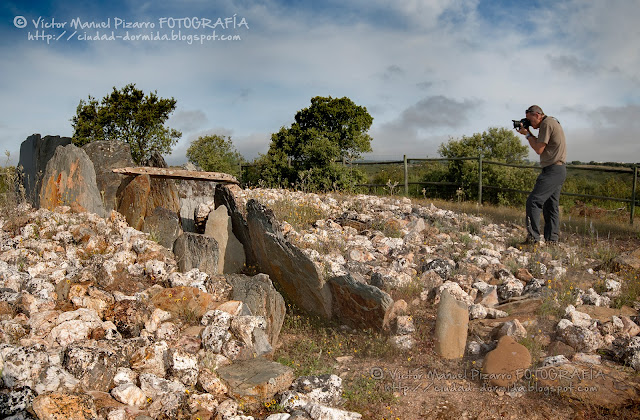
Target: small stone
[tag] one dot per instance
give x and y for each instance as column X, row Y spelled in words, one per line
column 129, row 394
column 513, row 329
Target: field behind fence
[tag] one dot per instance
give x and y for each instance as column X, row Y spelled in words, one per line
column 610, row 188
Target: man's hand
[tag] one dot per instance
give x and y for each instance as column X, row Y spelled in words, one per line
column 524, row 131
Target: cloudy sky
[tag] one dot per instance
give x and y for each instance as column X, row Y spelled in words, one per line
column 426, row 70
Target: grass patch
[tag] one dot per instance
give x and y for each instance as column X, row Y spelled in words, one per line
column 629, row 291
column 363, row 392
column 559, row 294
column 606, row 254
column 300, row 215
column 533, row 343
column 390, row 228
column 310, row 345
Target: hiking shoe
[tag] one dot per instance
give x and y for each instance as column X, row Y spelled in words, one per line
column 530, row 241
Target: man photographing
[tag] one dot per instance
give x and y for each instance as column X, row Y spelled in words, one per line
column 545, row 196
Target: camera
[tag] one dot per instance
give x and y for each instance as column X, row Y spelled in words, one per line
column 523, row 123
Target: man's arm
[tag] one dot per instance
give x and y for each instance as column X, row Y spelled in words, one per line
column 533, row 142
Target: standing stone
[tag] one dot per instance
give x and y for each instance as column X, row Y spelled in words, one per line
column 164, row 226
column 299, row 278
column 162, row 192
column 507, row 363
column 70, row 180
column 231, row 257
column 35, row 153
column 451, row 327
column 358, row 304
column 108, row 155
column 132, row 199
column 225, row 196
column 196, row 251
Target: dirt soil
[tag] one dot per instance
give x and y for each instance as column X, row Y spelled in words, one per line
column 426, row 386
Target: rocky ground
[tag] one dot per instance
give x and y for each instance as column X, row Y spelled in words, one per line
column 573, row 306
column 96, row 319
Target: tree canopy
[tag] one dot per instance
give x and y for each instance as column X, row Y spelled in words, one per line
column 130, row 116
column 312, row 149
column 495, row 144
column 215, row 153
column 499, row 144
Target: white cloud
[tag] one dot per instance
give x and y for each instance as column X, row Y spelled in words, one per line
column 425, row 70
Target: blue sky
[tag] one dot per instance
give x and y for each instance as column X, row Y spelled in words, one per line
column 427, row 71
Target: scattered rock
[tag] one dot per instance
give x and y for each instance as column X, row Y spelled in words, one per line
column 598, row 386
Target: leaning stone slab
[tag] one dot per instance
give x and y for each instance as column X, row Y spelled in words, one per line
column 452, row 322
column 163, row 226
column 299, row 278
column 358, row 304
column 255, row 380
column 225, row 195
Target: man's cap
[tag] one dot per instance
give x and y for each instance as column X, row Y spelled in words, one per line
column 535, row 109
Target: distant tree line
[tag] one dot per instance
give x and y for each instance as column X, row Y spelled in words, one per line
column 316, row 151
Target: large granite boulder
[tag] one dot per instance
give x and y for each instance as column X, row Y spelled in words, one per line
column 263, row 299
column 108, row 155
column 299, row 278
column 35, row 153
column 219, row 227
column 70, row 180
column 628, row 260
column 359, row 305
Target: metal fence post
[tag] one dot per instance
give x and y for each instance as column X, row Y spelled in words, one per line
column 480, row 179
column 406, row 176
column 633, row 193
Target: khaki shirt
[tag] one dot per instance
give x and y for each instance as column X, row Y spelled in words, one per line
column 552, row 135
